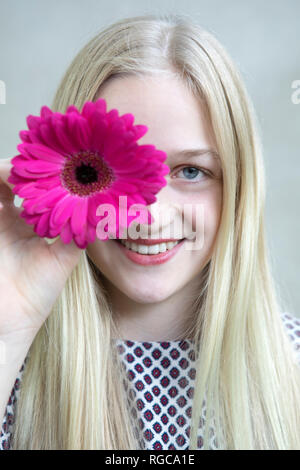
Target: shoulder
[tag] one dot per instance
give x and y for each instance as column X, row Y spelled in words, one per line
column 8, row 420
column 292, row 327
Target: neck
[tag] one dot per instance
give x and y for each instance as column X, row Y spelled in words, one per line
column 167, row 320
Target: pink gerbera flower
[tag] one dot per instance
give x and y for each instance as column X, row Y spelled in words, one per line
column 71, row 163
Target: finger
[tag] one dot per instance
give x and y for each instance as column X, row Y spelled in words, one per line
column 8, row 211
column 68, row 253
column 5, row 167
column 12, row 226
column 6, row 193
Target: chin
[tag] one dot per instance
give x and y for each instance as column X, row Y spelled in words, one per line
column 146, row 294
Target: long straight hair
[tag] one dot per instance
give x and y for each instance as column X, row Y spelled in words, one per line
column 73, row 392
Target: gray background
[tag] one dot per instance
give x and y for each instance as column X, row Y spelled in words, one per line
column 38, row 39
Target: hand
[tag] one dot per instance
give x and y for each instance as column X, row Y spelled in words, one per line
column 32, row 271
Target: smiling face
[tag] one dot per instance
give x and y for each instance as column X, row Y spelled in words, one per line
column 176, row 122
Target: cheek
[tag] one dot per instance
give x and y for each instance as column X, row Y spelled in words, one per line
column 208, row 218
column 99, row 253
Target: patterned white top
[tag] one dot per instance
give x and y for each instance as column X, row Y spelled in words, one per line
column 161, row 376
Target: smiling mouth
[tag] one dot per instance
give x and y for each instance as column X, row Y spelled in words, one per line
column 153, row 249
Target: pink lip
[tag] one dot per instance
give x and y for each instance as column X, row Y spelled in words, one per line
column 149, row 241
column 148, row 260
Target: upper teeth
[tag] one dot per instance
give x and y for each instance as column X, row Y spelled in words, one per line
column 149, row 249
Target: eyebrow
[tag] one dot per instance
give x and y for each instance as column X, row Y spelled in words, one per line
column 189, row 153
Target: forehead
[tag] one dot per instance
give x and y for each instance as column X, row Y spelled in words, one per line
column 174, row 116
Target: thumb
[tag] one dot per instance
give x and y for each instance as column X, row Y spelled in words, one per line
column 68, row 254
column 5, row 167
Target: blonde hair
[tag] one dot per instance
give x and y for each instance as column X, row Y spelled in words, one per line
column 72, row 394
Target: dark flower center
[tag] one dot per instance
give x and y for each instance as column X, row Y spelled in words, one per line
column 85, row 173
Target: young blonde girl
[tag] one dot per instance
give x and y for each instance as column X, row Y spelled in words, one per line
column 58, row 314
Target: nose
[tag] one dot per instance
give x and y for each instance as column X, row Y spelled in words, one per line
column 166, row 213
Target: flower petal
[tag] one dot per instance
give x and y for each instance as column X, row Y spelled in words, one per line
column 95, row 202
column 139, row 131
column 42, row 227
column 45, row 112
column 66, row 232
column 72, row 109
column 29, row 219
column 29, row 175
column 80, row 238
column 123, row 186
column 71, row 130
column 114, row 142
column 80, row 131
column 25, row 136
column 62, row 134
column 45, row 202
column 134, row 166
column 79, row 215
column 50, row 139
column 40, row 151
column 14, row 178
column 136, row 198
column 100, row 105
column 41, row 166
column 120, row 158
column 92, row 218
column 53, row 232
column 63, row 210
column 48, row 183
column 90, row 233
column 88, row 109
column 28, row 190
column 20, row 161
column 112, row 116
column 33, row 121
column 128, row 120
column 99, row 128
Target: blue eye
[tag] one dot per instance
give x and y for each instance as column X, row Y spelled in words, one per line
column 191, row 172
